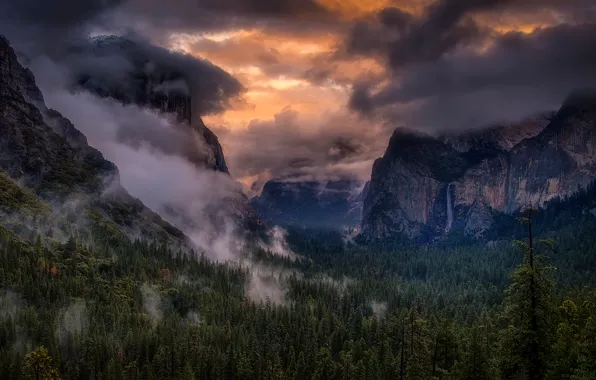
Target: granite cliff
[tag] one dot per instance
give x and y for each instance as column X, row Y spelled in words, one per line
column 425, row 187
column 52, row 181
column 146, row 78
column 154, row 78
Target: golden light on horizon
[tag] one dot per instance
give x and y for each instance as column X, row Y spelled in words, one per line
column 351, row 9
column 268, row 94
column 285, row 83
column 526, row 29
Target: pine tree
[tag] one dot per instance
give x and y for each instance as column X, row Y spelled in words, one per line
column 325, row 366
column 475, row 363
column 418, row 363
column 39, row 366
column 566, row 350
column 526, row 343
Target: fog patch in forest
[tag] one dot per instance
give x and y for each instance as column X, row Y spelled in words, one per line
column 10, row 304
column 152, row 303
column 340, row 285
column 278, row 244
column 71, row 320
column 267, row 282
column 71, row 212
column 199, row 283
column 348, row 234
column 194, row 318
column 263, row 288
column 379, row 309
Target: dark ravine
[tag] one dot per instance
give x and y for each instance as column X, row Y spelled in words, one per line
column 479, row 174
column 43, row 152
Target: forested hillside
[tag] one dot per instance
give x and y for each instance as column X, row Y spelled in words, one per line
column 131, row 310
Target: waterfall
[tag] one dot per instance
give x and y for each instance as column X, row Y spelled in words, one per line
column 449, row 209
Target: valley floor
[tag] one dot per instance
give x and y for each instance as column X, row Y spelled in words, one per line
column 131, row 310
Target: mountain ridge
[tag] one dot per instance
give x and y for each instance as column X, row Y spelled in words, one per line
column 162, row 81
column 43, row 152
column 421, row 178
column 312, row 203
column 147, row 81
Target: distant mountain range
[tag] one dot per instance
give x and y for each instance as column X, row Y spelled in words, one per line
column 313, row 203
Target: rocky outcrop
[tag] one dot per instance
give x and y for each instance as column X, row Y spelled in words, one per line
column 312, row 203
column 425, row 187
column 42, row 151
column 135, row 75
column 148, row 77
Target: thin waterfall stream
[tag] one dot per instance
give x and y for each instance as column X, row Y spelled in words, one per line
column 449, row 209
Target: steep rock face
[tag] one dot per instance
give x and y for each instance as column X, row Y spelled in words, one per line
column 43, row 151
column 147, row 82
column 147, row 79
column 424, row 187
column 313, row 203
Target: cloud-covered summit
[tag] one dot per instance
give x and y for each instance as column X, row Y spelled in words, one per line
column 427, row 64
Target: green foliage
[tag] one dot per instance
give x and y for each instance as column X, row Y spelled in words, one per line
column 529, row 313
column 105, row 229
column 122, row 309
column 16, row 198
column 38, row 366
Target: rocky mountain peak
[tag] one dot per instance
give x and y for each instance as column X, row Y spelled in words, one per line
column 135, row 73
column 425, row 187
column 45, row 153
column 19, row 77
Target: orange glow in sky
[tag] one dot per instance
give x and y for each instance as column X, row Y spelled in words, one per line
column 282, row 68
column 351, row 9
column 240, row 53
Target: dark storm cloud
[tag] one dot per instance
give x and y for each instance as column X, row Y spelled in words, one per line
column 67, row 13
column 59, row 29
column 406, row 39
column 518, row 75
column 34, row 26
column 118, row 63
column 267, row 8
column 69, row 19
column 188, row 12
column 438, row 70
column 55, row 14
column 156, row 17
column 446, row 24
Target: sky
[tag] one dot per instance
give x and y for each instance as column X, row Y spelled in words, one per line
column 316, row 87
